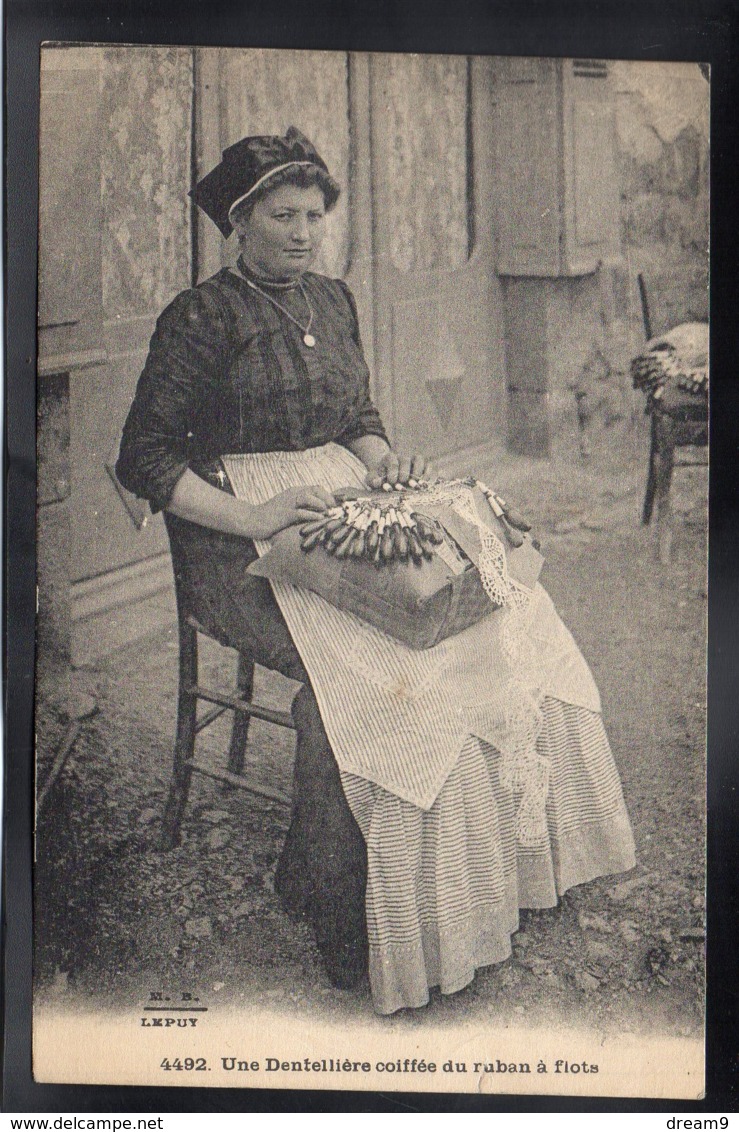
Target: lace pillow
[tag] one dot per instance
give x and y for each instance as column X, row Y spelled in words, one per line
column 417, row 602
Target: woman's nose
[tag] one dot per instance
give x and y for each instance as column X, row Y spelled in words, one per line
column 300, row 230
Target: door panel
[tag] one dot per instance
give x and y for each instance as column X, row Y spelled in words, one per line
column 421, row 102
column 438, row 333
column 527, row 138
column 69, row 313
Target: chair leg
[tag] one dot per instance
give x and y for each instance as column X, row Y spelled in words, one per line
column 664, row 504
column 240, row 731
column 646, row 516
column 185, row 741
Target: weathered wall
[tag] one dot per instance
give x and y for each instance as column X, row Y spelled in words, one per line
column 663, row 139
column 662, row 116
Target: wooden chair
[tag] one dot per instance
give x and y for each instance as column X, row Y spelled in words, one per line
column 238, row 701
column 679, row 419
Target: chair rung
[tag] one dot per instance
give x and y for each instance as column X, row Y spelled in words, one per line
column 281, row 718
column 240, row 783
column 209, row 717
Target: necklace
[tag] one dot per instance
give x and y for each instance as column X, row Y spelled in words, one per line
column 273, row 284
column 307, row 336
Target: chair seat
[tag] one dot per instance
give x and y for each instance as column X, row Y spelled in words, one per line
column 198, row 627
column 682, row 406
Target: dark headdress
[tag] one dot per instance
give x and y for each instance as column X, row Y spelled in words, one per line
column 245, row 166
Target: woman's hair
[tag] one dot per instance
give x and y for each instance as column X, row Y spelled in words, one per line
column 301, row 176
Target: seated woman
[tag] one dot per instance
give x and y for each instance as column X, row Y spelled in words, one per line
column 424, row 817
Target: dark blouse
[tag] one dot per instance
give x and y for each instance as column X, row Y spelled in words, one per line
column 227, row 372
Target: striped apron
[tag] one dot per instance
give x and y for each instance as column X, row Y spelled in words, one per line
column 480, row 774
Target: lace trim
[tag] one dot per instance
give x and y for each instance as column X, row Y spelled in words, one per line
column 522, row 769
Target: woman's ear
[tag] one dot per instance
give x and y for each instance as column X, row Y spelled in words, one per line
column 240, row 221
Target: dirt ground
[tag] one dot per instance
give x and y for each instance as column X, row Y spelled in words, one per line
column 116, row 918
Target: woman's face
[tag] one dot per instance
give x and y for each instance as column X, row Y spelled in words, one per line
column 281, row 238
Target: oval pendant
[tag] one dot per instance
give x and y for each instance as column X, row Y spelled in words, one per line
column 309, row 340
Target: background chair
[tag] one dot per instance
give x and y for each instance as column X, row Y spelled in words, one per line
column 673, row 372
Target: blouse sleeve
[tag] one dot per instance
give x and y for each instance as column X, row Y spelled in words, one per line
column 367, row 420
column 187, row 347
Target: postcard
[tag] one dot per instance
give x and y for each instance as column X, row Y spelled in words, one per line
column 372, row 548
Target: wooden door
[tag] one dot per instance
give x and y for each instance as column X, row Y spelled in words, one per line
column 409, row 139
column 527, row 133
column 438, row 324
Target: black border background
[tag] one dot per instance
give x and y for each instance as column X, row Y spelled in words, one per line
column 698, row 30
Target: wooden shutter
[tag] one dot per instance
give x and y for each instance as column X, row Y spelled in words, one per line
column 527, row 142
column 556, row 178
column 591, row 200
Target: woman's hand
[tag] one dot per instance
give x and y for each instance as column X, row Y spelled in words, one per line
column 296, row 505
column 392, row 468
column 194, row 499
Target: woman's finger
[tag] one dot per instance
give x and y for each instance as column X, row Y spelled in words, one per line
column 404, row 470
column 311, row 496
column 381, row 473
column 327, row 498
column 418, row 466
column 314, row 503
column 390, row 466
column 304, row 515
